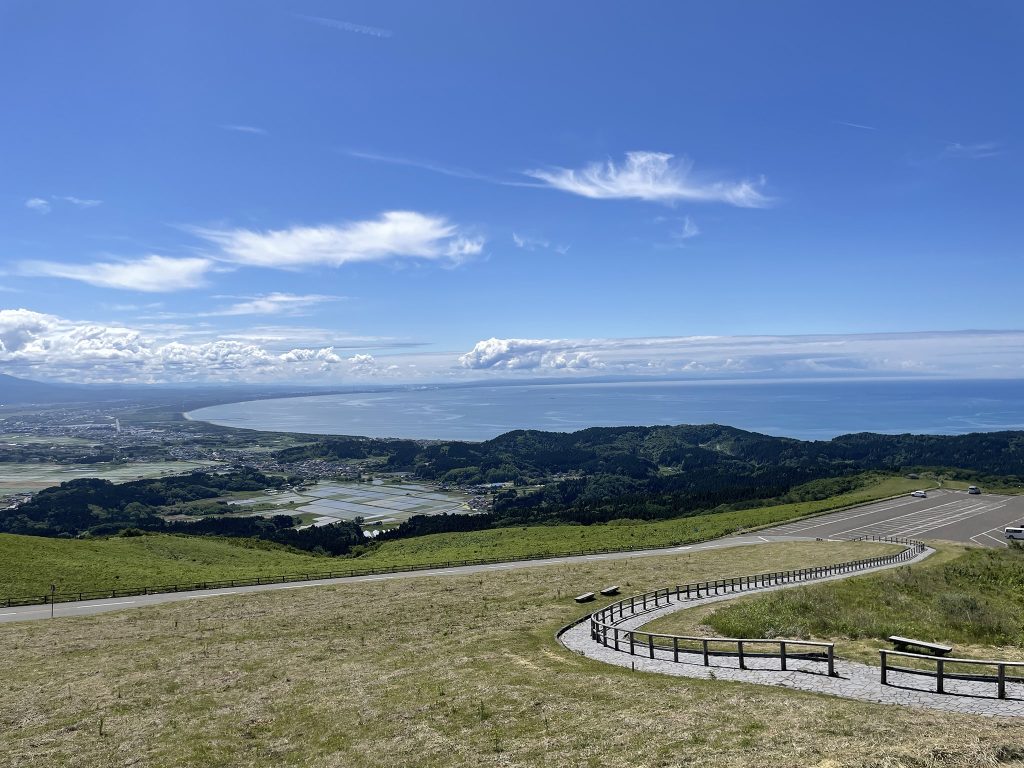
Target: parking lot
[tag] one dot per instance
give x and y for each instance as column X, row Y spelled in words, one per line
column 949, row 515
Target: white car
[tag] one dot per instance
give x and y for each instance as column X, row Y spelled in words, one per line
column 920, row 494
column 973, row 490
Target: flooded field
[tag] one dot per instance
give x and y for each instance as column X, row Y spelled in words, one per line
column 381, row 503
column 34, row 476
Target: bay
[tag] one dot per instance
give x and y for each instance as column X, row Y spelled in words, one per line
column 807, row 410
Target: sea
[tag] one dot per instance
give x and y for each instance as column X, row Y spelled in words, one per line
column 808, row 410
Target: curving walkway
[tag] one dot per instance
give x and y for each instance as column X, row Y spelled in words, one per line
column 852, row 681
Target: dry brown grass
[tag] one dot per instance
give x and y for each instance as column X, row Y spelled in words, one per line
column 455, row 671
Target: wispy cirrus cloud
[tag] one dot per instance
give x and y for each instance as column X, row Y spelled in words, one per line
column 251, row 129
column 650, row 176
column 45, row 205
column 150, row 274
column 978, row 151
column 689, row 230
column 861, row 126
column 78, row 202
column 274, row 304
column 392, row 235
column 426, row 165
column 530, row 243
column 346, row 26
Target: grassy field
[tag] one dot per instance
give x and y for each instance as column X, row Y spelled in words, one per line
column 541, row 539
column 970, row 598
column 29, row 564
column 432, row 672
column 34, row 476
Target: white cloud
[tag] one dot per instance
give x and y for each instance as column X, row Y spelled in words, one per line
column 651, row 176
column 247, row 129
column 528, row 354
column 347, row 26
column 38, row 204
column 956, row 354
column 363, row 365
column 150, row 274
column 392, row 235
column 274, row 304
column 304, row 355
column 33, row 343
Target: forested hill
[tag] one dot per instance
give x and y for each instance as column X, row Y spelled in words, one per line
column 642, row 452
column 604, row 473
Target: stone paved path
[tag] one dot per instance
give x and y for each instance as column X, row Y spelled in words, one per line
column 852, row 681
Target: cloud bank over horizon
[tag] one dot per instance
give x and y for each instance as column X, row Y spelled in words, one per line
column 49, row 347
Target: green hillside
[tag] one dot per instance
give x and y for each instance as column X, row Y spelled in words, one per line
column 29, row 564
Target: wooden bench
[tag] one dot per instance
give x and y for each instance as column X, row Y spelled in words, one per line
column 608, row 591
column 586, row 597
column 904, row 643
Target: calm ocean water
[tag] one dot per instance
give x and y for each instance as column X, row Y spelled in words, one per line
column 807, row 410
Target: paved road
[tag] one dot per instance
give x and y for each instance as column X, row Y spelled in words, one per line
column 950, row 515
column 947, row 515
column 90, row 607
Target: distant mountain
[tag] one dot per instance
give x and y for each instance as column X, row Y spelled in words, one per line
column 25, row 392
column 15, row 391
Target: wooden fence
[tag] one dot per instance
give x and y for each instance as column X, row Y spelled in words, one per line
column 943, row 669
column 604, row 629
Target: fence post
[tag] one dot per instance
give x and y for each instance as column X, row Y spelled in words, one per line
column 675, row 649
column 616, row 638
column 782, row 653
column 739, row 648
column 705, row 644
column 884, row 667
column 632, row 643
column 1001, row 675
column 831, row 661
column 938, row 676
column 650, row 645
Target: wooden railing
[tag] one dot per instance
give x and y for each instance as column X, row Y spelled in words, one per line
column 648, row 642
column 604, row 622
column 953, row 669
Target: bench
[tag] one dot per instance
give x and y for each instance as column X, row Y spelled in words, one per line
column 608, row 591
column 586, row 597
column 904, row 643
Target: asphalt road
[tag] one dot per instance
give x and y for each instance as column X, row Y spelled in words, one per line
column 91, row 607
column 946, row 515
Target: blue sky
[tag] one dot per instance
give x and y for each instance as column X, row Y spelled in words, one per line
column 339, row 192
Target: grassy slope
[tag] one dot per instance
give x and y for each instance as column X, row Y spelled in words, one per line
column 432, row 672
column 542, row 539
column 29, row 564
column 971, row 598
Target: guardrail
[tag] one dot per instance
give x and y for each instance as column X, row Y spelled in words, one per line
column 942, row 672
column 603, row 623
